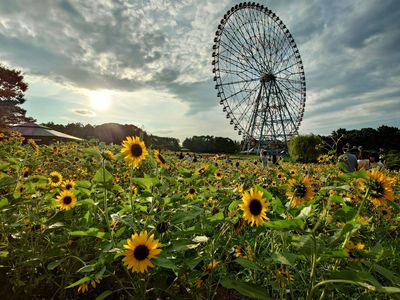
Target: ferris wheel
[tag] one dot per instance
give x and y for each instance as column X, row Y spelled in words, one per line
column 259, row 75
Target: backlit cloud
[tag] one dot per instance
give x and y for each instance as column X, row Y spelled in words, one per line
column 350, row 51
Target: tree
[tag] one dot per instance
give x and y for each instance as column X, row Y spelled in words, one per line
column 303, row 148
column 12, row 89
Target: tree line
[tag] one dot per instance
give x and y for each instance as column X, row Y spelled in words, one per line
column 211, row 144
column 12, row 95
column 115, row 133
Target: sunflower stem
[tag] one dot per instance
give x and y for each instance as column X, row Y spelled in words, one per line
column 348, row 235
column 313, row 264
column 105, row 195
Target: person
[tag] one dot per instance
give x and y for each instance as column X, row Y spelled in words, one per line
column 275, row 159
column 264, row 157
column 348, row 159
column 181, row 155
column 374, row 163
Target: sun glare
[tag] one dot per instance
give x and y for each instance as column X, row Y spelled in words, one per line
column 100, row 100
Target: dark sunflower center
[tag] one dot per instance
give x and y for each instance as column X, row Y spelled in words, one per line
column 161, row 159
column 301, row 191
column 141, row 252
column 384, row 212
column 68, row 186
column 136, row 150
column 54, row 179
column 218, row 174
column 191, row 191
column 67, row 200
column 255, row 207
column 377, row 189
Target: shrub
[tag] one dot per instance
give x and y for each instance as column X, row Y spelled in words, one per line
column 302, row 148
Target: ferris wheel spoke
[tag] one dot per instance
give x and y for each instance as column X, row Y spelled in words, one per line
column 246, row 37
column 235, row 62
column 257, row 36
column 290, row 98
column 282, row 119
column 240, row 81
column 280, row 71
column 261, row 43
column 290, row 80
column 287, row 110
column 237, row 50
column 291, row 87
column 239, row 103
column 284, row 58
column 279, row 56
column 243, row 90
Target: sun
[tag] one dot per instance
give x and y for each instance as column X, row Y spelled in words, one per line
column 100, row 100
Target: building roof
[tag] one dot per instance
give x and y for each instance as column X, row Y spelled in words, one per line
column 33, row 130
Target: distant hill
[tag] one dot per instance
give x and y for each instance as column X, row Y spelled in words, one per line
column 115, row 133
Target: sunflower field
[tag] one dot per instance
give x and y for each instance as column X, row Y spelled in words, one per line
column 98, row 221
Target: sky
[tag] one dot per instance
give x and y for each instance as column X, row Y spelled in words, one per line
column 149, row 61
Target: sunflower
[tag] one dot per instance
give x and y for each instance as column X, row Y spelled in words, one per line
column 212, row 265
column 69, row 184
column 282, row 277
column 301, row 191
column 280, row 175
column 83, row 288
column 55, row 179
column 198, row 282
column 109, row 155
column 293, row 172
column 191, row 192
column 95, row 281
column 202, row 170
column 160, row 159
column 254, row 207
column 66, row 200
column 380, row 188
column 140, row 249
column 354, row 251
column 218, row 175
column 134, row 150
column 385, row 212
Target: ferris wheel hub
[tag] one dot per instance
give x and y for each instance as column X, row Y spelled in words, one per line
column 267, row 78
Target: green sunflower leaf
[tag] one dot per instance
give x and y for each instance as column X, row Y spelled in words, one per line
column 245, row 288
column 164, row 262
column 104, row 295
column 146, row 182
column 7, row 180
column 285, row 225
column 103, row 176
column 183, row 216
column 3, row 202
column 248, row 264
column 284, row 258
column 80, row 281
column 217, row 217
column 54, row 264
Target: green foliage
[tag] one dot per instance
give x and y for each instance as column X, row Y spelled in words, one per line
column 302, row 148
column 12, row 94
column 336, row 245
column 211, row 144
column 392, row 160
column 115, row 133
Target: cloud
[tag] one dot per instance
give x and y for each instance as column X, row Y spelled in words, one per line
column 350, row 50
column 84, row 112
